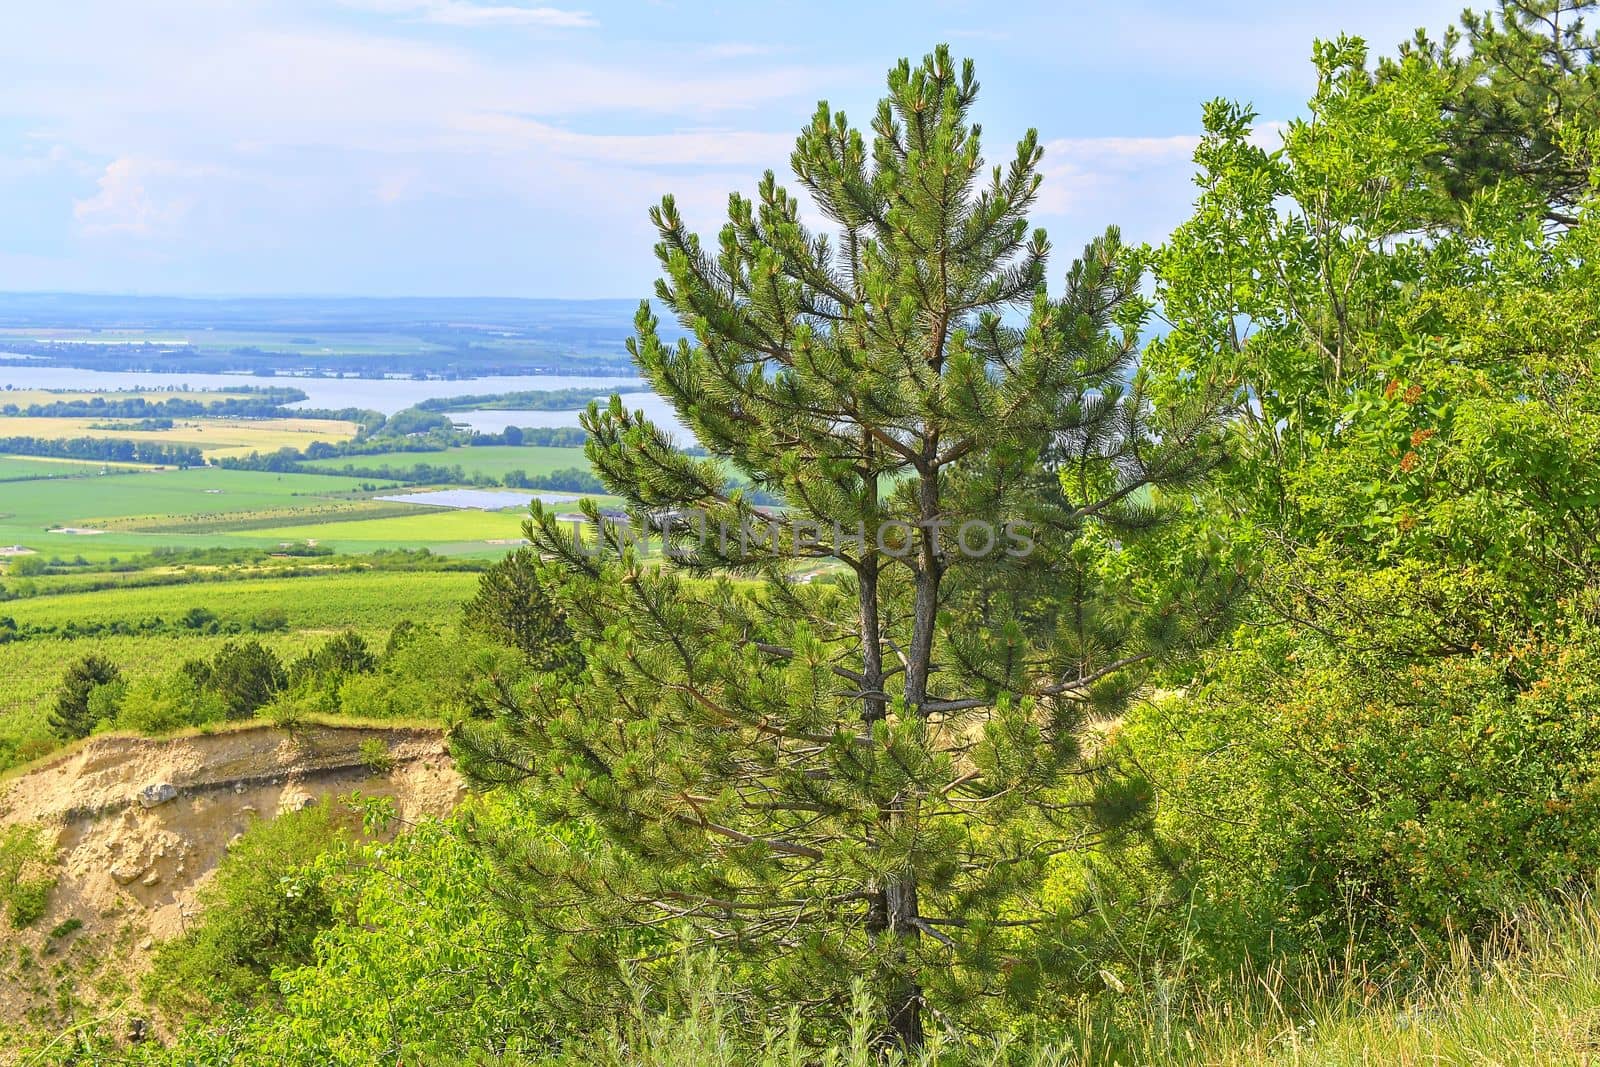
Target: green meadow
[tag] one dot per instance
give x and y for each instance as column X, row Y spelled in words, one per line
column 314, row 606
column 164, row 499
column 362, row 600
column 446, row 530
column 494, row 461
column 26, row 468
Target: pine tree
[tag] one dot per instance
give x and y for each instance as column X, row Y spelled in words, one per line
column 512, row 607
column 844, row 742
column 73, row 717
column 1523, row 104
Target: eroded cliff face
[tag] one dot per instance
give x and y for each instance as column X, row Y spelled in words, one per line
column 140, row 823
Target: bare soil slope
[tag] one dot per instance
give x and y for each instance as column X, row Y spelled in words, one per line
column 141, row 822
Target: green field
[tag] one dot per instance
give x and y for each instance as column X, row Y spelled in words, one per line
column 494, row 461
column 369, row 602
column 122, row 515
column 23, row 468
column 443, row 529
column 30, row 509
column 363, row 599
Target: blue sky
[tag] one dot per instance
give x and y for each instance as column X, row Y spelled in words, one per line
column 512, row 147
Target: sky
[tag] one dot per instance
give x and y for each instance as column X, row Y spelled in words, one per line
column 514, row 147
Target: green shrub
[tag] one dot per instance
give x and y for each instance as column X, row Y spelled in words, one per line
column 427, row 966
column 65, row 928
column 159, row 705
column 375, row 756
column 263, row 909
column 423, row 675
column 27, row 874
column 75, row 712
column 245, row 675
column 28, row 566
column 1305, row 796
column 270, row 621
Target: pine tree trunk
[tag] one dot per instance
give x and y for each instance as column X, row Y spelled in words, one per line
column 905, row 997
column 894, row 918
column 902, row 917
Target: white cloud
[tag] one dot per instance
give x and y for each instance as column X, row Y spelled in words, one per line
column 470, row 14
column 123, row 204
column 703, row 147
column 1144, row 184
column 1269, row 135
column 1079, row 171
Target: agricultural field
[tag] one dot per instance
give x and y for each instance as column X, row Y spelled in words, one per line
column 125, row 514
column 128, row 514
column 24, row 398
column 216, row 438
column 27, row 468
column 359, row 599
column 494, row 461
column 446, row 530
column 314, row 606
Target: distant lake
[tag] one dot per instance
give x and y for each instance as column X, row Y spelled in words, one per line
column 656, row 409
column 387, row 395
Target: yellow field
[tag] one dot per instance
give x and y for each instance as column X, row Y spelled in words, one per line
column 214, row 437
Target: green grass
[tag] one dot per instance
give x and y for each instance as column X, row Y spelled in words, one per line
column 444, row 529
column 210, row 507
column 493, row 461
column 316, row 606
column 1531, row 1000
column 1532, row 997
column 20, row 468
column 363, row 600
column 28, row 510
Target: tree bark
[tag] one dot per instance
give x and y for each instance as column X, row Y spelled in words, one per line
column 905, row 996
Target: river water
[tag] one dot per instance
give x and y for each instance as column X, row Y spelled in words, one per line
column 387, row 395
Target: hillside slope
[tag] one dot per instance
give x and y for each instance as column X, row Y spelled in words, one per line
column 138, row 824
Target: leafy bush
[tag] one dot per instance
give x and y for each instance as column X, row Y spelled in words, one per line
column 375, row 756
column 424, row 674
column 263, row 910
column 270, row 621
column 162, row 704
column 343, row 654
column 197, row 618
column 27, row 874
column 244, row 676
column 422, row 939
column 76, row 713
column 1306, row 796
column 28, row 566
